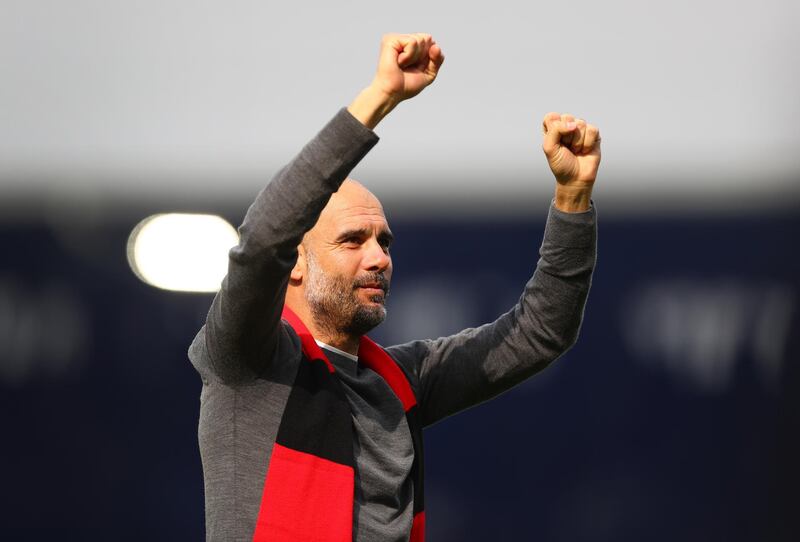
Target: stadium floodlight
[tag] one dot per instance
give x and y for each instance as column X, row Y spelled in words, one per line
column 181, row 252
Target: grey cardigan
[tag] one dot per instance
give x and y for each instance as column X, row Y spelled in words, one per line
column 247, row 358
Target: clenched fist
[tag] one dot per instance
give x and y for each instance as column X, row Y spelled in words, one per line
column 407, row 64
column 572, row 148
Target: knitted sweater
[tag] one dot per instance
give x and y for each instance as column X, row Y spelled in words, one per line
column 248, row 357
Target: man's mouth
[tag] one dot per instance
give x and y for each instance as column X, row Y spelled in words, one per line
column 372, row 290
column 372, row 286
column 375, row 284
column 376, row 287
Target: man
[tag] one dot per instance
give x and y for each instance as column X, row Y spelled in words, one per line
column 309, row 430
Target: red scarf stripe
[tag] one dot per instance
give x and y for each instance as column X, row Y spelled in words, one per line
column 374, row 357
column 418, row 528
column 316, row 494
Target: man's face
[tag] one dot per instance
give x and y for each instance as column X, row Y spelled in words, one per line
column 348, row 267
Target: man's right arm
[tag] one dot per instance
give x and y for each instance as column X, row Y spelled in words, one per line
column 243, row 325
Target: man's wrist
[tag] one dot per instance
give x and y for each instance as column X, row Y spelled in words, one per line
column 371, row 106
column 573, row 199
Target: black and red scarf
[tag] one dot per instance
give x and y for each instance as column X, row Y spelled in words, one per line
column 310, row 483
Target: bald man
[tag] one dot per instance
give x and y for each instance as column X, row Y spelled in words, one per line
column 309, row 431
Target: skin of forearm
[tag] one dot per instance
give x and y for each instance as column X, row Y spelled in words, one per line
column 371, row 106
column 573, row 199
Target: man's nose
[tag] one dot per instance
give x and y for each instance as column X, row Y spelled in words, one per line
column 376, row 257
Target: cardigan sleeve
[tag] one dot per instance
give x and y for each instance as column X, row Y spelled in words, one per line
column 243, row 328
column 456, row 372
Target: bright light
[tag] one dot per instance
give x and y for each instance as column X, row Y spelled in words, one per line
column 183, row 252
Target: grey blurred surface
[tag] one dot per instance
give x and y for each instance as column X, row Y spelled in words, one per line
column 697, row 101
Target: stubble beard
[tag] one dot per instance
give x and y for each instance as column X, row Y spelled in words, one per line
column 334, row 303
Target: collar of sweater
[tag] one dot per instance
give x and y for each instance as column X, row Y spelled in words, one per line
column 348, row 355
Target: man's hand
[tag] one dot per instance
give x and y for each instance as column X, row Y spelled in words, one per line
column 407, row 64
column 572, row 148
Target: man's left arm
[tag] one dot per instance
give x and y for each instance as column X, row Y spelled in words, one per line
column 459, row 371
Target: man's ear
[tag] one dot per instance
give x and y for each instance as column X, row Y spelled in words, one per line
column 299, row 269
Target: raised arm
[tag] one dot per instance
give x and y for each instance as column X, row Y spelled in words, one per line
column 470, row 367
column 243, row 327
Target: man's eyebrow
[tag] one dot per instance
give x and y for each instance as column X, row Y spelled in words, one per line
column 357, row 232
column 385, row 236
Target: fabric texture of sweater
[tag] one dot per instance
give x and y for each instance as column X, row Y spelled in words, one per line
column 248, row 357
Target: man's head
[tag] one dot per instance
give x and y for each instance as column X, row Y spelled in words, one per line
column 343, row 269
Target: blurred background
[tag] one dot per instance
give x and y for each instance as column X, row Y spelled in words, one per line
column 676, row 416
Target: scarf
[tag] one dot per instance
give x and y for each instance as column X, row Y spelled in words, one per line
column 310, row 483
